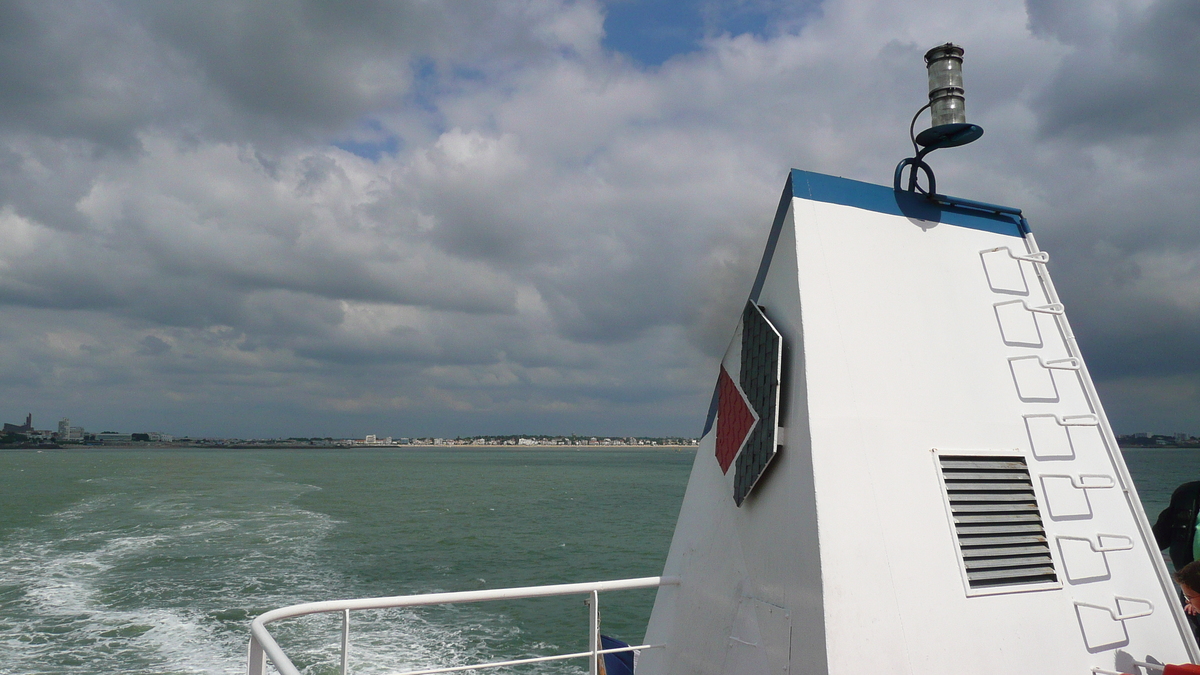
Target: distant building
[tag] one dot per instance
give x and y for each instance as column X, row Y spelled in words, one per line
column 23, row 429
column 112, row 437
column 66, row 432
column 373, row 439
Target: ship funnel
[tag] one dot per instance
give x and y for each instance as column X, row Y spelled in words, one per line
column 948, row 111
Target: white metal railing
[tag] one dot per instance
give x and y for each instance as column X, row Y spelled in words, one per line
column 263, row 646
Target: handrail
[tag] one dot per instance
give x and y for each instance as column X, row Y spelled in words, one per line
column 263, row 646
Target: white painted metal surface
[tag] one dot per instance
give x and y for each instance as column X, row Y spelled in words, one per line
column 263, row 646
column 905, row 338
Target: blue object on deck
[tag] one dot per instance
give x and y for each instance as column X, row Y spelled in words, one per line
column 620, row 663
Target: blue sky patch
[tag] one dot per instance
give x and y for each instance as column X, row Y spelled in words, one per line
column 652, row 31
column 371, row 150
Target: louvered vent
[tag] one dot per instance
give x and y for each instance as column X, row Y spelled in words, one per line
column 996, row 518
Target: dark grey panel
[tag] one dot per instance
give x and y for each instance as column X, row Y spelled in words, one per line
column 762, row 360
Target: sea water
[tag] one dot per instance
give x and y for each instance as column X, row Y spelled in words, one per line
column 154, row 561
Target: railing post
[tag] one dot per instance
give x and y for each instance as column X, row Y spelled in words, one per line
column 345, row 642
column 594, row 633
column 256, row 663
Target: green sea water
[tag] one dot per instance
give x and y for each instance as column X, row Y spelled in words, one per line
column 154, row 561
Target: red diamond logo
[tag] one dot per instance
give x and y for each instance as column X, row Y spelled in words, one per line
column 735, row 420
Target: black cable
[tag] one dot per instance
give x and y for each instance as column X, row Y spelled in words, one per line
column 912, row 126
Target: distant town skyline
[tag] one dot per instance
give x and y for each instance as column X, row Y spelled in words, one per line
column 65, row 431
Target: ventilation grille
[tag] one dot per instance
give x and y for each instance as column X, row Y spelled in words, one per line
column 996, row 517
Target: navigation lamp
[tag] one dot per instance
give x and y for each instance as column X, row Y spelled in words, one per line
column 947, row 101
column 948, row 109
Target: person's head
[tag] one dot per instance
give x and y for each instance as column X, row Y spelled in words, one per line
column 1189, row 580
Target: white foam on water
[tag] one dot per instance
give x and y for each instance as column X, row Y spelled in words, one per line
column 65, row 583
column 111, row 585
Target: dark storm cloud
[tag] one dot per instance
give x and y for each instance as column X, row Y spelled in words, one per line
column 153, row 346
column 1132, row 71
column 71, row 70
column 46, row 180
column 261, row 71
column 1136, row 313
column 200, row 280
column 292, row 66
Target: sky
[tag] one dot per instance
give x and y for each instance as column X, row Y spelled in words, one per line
column 302, row 218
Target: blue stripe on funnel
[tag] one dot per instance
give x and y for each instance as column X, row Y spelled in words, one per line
column 833, row 190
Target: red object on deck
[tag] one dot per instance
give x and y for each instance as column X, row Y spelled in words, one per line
column 1182, row 669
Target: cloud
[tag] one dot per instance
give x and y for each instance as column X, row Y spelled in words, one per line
column 1131, row 71
column 301, row 218
column 153, row 346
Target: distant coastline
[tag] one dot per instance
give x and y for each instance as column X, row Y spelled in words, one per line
column 77, row 447
column 1159, row 447
column 219, row 444
column 1144, row 441
column 25, row 438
